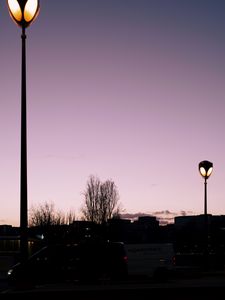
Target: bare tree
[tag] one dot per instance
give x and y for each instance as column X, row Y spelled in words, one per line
column 45, row 215
column 70, row 217
column 101, row 200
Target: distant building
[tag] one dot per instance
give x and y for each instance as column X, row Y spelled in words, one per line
column 190, row 232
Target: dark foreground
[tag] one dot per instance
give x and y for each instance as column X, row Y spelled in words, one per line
column 204, row 286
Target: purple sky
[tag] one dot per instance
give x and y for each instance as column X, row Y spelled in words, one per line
column 128, row 90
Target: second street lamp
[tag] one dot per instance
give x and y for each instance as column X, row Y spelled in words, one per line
column 23, row 13
column 205, row 169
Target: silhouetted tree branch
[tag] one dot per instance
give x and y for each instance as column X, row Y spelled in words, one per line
column 101, row 200
column 45, row 215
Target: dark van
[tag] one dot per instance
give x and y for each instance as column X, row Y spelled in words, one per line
column 50, row 264
column 102, row 260
column 86, row 261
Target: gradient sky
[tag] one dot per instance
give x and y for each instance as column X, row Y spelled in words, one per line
column 127, row 90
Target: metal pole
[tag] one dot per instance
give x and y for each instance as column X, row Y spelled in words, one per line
column 23, row 167
column 205, row 205
column 206, row 225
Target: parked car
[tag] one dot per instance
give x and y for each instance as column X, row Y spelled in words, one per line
column 89, row 260
column 117, row 261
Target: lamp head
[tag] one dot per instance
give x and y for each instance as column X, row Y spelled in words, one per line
column 23, row 12
column 205, row 168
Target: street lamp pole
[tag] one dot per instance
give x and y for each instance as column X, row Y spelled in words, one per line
column 205, row 169
column 23, row 12
column 23, row 167
column 205, row 197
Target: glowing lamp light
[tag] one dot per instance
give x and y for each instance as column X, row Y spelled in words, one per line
column 205, row 168
column 23, row 12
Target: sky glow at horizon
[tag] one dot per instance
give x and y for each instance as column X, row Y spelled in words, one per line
column 131, row 91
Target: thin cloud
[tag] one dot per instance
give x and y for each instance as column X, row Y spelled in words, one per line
column 133, row 216
column 3, row 221
column 164, row 216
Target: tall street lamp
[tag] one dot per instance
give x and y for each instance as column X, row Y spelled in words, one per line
column 205, row 169
column 23, row 13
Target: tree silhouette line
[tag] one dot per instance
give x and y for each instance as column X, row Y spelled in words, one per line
column 100, row 204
